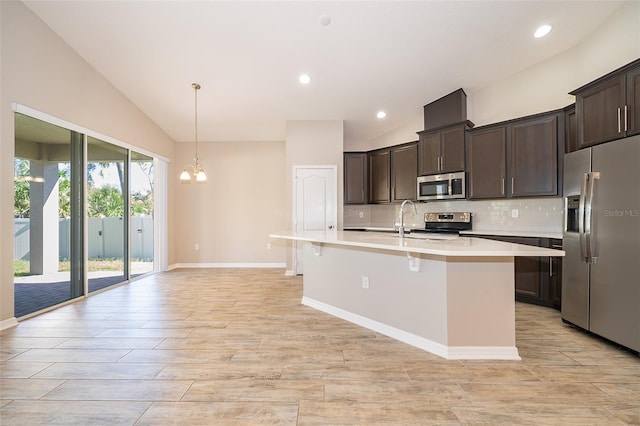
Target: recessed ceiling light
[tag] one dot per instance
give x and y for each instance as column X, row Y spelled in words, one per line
column 304, row 79
column 542, row 31
column 324, row 20
column 381, row 114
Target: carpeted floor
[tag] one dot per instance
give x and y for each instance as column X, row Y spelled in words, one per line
column 32, row 297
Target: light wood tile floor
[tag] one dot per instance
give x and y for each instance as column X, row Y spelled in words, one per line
column 229, row 346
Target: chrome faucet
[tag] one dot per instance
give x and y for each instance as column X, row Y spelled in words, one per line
column 415, row 211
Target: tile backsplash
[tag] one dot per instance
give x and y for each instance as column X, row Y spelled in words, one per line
column 524, row 214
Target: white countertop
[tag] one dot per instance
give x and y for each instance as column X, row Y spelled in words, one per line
column 439, row 245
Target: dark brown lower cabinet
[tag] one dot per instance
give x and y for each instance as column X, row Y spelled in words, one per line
column 555, row 273
column 538, row 280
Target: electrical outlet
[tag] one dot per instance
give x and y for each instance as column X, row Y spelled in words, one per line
column 365, row 282
column 196, row 246
column 268, row 246
column 361, row 214
column 515, row 213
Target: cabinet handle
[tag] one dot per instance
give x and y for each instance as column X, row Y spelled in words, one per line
column 502, row 187
column 512, row 181
column 619, row 127
column 625, row 118
column 551, row 266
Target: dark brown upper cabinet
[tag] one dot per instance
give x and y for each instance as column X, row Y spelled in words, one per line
column 392, row 173
column 608, row 108
column 379, row 181
column 486, row 162
column 633, row 101
column 404, row 172
column 534, row 157
column 570, row 128
column 519, row 158
column 447, row 110
column 441, row 151
column 355, row 178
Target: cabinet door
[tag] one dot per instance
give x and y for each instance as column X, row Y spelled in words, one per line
column 404, row 166
column 429, row 152
column 355, row 178
column 600, row 110
column 529, row 279
column 555, row 276
column 534, row 158
column 379, row 177
column 571, row 130
column 486, row 163
column 528, row 276
column 452, row 150
column 633, row 102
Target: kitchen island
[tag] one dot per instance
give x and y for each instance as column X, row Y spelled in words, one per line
column 451, row 296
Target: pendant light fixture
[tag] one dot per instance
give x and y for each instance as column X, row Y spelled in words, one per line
column 198, row 171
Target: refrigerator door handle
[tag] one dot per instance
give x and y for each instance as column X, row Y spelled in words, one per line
column 581, row 208
column 588, row 219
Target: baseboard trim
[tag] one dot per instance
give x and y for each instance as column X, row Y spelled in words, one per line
column 226, row 265
column 447, row 352
column 8, row 323
column 484, row 352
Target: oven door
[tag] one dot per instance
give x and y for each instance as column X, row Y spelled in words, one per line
column 433, row 187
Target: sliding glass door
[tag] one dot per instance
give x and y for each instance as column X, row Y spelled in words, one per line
column 82, row 205
column 142, row 214
column 44, row 214
column 107, row 184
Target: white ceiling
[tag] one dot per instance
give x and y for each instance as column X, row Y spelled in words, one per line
column 247, row 56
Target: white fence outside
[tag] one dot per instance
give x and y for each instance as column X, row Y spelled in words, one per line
column 106, row 238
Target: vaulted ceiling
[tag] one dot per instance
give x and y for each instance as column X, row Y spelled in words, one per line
column 362, row 56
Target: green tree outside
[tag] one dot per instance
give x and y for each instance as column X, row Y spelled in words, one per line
column 105, row 201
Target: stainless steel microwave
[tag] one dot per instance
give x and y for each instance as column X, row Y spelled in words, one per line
column 441, row 187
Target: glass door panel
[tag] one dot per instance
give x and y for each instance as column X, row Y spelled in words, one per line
column 43, row 214
column 142, row 184
column 107, row 183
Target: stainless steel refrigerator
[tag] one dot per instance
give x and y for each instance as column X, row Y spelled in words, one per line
column 601, row 269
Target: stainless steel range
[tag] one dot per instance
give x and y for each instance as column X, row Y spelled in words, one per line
column 447, row 222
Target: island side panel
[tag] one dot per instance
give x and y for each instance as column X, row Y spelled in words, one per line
column 414, row 302
column 481, row 303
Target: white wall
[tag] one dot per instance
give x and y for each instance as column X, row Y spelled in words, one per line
column 405, row 133
column 546, row 85
column 312, row 142
column 40, row 71
column 540, row 88
column 231, row 216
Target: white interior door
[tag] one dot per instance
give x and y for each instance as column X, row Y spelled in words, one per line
column 315, row 201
